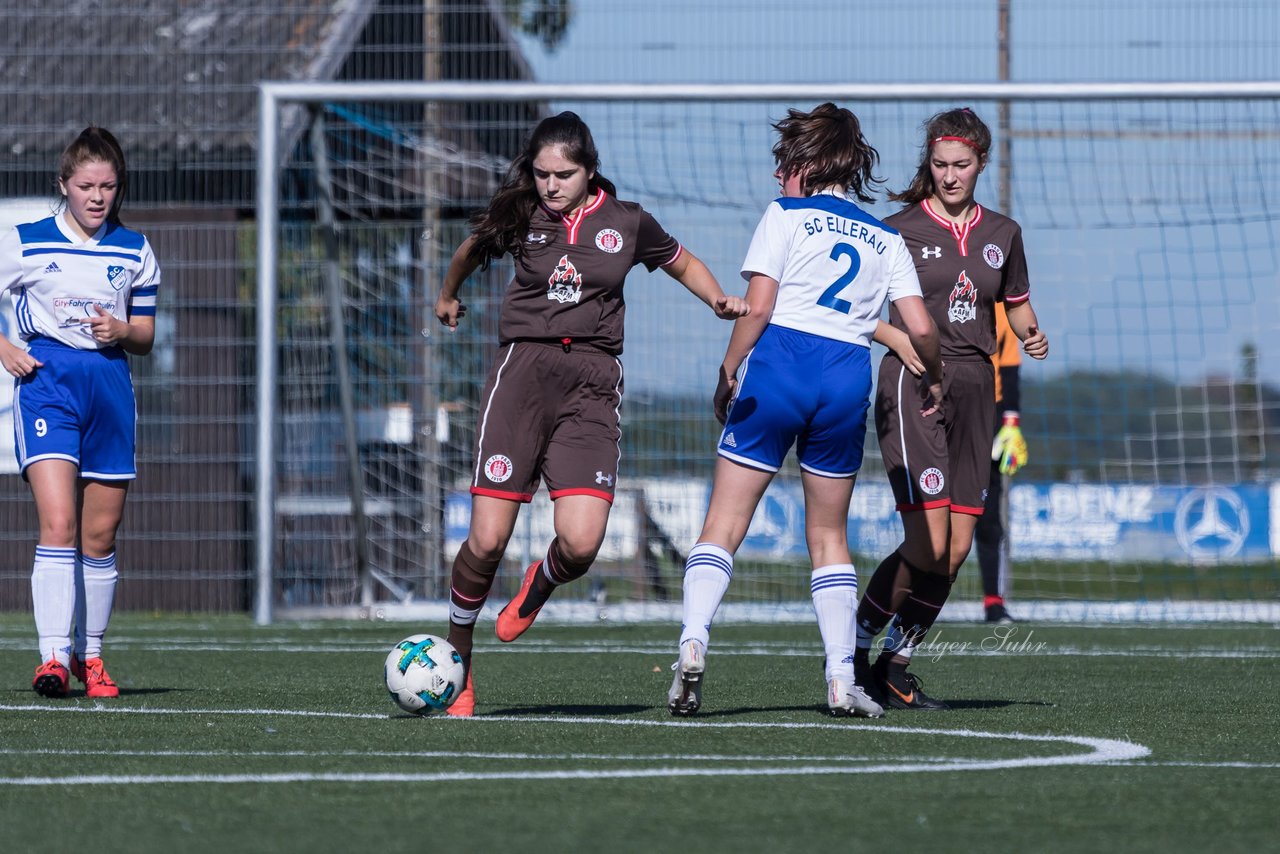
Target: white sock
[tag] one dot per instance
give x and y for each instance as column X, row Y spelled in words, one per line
column 53, row 593
column 463, row 616
column 707, row 573
column 95, row 596
column 835, row 600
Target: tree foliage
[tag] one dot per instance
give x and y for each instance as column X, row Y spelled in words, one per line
column 547, row 20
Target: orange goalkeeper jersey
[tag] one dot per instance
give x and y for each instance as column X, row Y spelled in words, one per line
column 1008, row 352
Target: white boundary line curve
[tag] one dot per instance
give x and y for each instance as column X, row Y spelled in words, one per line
column 1101, row 751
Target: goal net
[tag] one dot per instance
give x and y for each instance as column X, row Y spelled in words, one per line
column 1152, row 229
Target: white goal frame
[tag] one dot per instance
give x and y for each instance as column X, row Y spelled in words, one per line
column 277, row 97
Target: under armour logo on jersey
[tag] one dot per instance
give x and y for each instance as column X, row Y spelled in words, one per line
column 926, row 253
column 53, row 267
column 730, row 441
column 535, row 238
column 606, row 479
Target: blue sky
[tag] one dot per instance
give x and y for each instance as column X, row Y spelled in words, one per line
column 738, row 41
column 1149, row 250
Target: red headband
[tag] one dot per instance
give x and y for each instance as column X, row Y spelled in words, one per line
column 963, row 139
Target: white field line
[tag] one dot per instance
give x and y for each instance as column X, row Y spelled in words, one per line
column 980, row 648
column 465, row 754
column 100, row 709
column 1100, row 751
column 551, row 757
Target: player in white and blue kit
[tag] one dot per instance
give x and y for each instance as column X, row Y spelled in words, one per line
column 84, row 290
column 798, row 372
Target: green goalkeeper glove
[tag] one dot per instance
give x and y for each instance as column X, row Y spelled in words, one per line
column 1009, row 448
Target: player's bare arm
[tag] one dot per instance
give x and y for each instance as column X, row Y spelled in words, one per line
column 135, row 335
column 689, row 271
column 449, row 310
column 900, row 343
column 762, row 291
column 1023, row 322
column 924, row 338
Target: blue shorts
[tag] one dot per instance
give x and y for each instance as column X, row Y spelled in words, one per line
column 78, row 407
column 801, row 389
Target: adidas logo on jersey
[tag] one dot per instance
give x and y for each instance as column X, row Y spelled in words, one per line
column 730, row 441
column 53, row 267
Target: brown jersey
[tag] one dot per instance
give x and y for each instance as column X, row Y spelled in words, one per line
column 964, row 270
column 570, row 272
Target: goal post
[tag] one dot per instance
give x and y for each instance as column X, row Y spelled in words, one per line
column 1151, row 221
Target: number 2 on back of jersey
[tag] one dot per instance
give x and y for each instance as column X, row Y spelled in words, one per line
column 829, row 298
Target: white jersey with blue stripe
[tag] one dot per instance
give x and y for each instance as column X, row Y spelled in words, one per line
column 835, row 265
column 57, row 278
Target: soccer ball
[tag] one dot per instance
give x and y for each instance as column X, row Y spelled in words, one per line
column 424, row 674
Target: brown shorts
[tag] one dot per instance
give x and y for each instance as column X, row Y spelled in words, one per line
column 552, row 415
column 937, row 461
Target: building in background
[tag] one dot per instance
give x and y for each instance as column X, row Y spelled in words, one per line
column 177, row 83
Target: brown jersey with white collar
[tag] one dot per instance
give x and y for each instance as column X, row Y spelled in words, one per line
column 964, row 270
column 569, row 275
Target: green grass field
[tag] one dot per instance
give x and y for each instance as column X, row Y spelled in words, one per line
column 231, row 738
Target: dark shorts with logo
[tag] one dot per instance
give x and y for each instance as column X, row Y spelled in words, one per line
column 551, row 415
column 936, row 461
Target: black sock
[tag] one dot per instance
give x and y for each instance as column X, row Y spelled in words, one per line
column 560, row 569
column 929, row 592
column 884, row 594
column 469, row 583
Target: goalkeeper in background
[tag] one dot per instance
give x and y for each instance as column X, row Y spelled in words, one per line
column 1008, row 454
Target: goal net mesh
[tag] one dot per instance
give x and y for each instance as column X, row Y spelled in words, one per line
column 1151, row 228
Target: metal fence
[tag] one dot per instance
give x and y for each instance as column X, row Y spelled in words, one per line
column 178, row 83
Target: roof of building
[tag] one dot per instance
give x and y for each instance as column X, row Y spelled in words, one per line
column 178, row 82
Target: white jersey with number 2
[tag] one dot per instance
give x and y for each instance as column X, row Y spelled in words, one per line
column 835, row 265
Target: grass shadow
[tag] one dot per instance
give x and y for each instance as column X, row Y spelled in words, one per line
column 995, row 704
column 79, row 693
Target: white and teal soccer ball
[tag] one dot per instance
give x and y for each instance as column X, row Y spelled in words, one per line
column 424, row 674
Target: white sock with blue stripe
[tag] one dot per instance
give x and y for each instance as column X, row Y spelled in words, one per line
column 707, row 573
column 53, row 593
column 95, row 597
column 835, row 600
